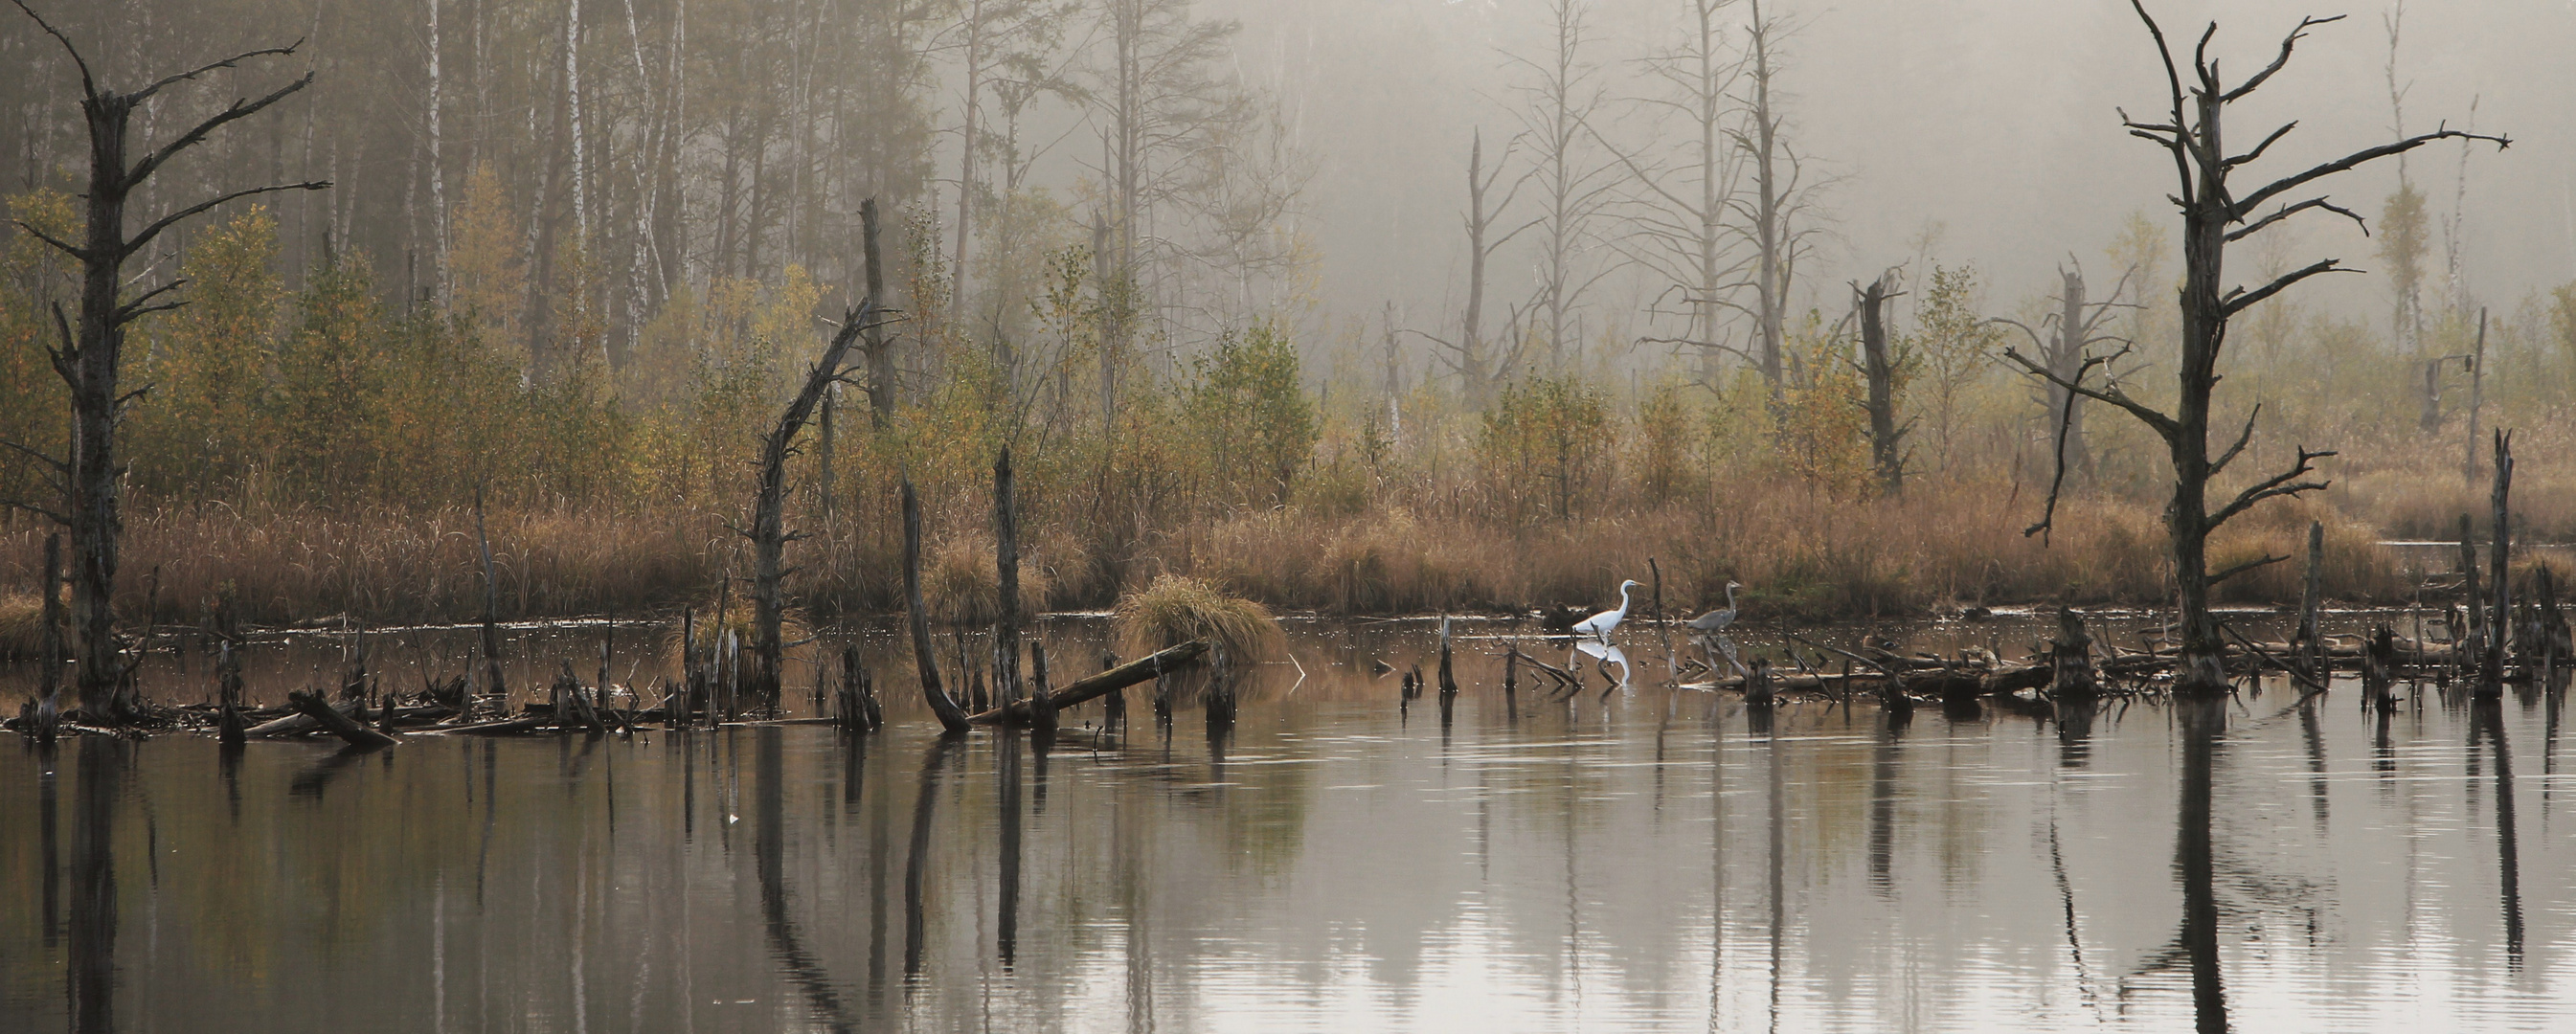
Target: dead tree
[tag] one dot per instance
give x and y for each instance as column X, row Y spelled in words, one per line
column 1574, row 189
column 1767, row 217
column 2063, row 351
column 925, row 655
column 90, row 359
column 1476, row 366
column 768, row 533
column 1882, row 371
column 2500, row 610
column 1006, row 557
column 2308, row 645
column 880, row 351
column 2216, row 214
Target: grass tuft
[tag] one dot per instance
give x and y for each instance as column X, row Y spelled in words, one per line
column 1177, row 608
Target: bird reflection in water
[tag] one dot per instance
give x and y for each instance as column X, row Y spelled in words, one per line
column 1604, row 654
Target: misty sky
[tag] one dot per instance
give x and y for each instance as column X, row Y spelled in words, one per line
column 1994, row 119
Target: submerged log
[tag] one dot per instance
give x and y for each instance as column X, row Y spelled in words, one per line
column 1121, row 677
column 336, row 723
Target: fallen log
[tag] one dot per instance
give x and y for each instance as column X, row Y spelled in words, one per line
column 1085, row 690
column 338, row 724
column 500, row 728
column 297, row 722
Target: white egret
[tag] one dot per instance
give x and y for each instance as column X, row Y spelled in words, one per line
column 1603, row 623
column 1717, row 619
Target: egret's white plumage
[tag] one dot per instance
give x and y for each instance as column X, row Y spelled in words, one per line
column 1603, row 623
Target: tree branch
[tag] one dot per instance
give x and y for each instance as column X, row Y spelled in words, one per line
column 78, row 253
column 2288, row 183
column 2258, row 150
column 2163, row 425
column 239, row 109
column 2285, row 483
column 2243, row 437
column 127, row 312
column 2245, row 300
column 2249, row 565
column 89, row 86
column 58, row 465
column 167, row 221
column 2287, row 42
column 2286, row 211
column 230, row 62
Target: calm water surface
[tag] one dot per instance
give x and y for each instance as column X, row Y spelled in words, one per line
column 1638, row 858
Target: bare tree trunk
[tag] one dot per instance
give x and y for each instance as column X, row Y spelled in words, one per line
column 1770, row 247
column 966, row 161
column 2308, row 646
column 1006, row 555
column 1886, row 446
column 880, row 352
column 2477, row 397
column 2500, row 616
column 2066, row 360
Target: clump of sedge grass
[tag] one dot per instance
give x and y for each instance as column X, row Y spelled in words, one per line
column 22, row 626
column 1177, row 608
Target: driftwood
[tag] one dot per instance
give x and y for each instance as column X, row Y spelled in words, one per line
column 337, row 723
column 1120, row 677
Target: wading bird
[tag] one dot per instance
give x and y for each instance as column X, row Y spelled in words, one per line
column 1717, row 619
column 1602, row 623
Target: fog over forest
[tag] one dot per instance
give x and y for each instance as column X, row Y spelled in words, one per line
column 1993, row 122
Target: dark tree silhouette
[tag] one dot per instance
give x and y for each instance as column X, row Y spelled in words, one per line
column 2215, row 214
column 90, row 357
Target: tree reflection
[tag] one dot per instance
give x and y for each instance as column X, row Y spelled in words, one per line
column 2202, row 720
column 2487, row 722
column 916, row 870
column 769, row 846
column 93, row 921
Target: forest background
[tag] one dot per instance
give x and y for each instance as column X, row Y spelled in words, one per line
column 579, row 251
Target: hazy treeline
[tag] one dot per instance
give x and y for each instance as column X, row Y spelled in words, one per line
column 579, row 250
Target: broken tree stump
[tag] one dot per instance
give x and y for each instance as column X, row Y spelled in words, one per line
column 2070, row 660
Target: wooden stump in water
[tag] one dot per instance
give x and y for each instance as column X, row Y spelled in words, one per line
column 1757, row 685
column 1042, row 710
column 2379, row 669
column 2070, row 659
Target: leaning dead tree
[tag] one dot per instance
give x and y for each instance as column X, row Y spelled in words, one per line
column 90, row 359
column 768, row 534
column 2217, row 213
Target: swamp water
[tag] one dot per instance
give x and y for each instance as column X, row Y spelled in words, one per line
column 1637, row 858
